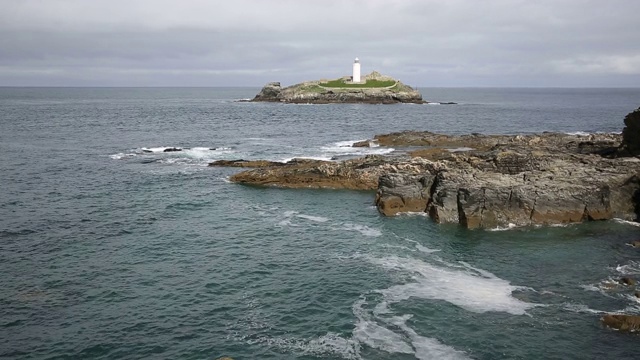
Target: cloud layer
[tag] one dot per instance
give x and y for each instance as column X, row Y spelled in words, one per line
column 249, row 42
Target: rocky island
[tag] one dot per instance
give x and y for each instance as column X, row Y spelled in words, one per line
column 373, row 88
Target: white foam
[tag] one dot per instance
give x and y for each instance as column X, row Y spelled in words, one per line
column 578, row 133
column 344, row 148
column 433, row 103
column 460, row 149
column 159, row 149
column 370, row 333
column 425, row 249
column 580, row 308
column 428, row 348
column 362, row 229
column 467, row 287
column 412, row 213
column 508, row 227
column 330, row 343
column 373, row 334
column 120, row 156
column 632, row 268
column 626, row 222
column 319, row 219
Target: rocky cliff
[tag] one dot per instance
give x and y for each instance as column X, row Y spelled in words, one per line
column 484, row 181
column 318, row 92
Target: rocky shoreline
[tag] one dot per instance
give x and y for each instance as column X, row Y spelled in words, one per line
column 485, row 181
column 482, row 181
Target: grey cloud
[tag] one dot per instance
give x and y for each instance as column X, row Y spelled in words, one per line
column 244, row 42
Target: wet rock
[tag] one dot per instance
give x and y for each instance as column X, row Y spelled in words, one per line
column 637, row 294
column 245, row 163
column 364, row 143
column 635, row 243
column 627, row 281
column 621, row 322
column 172, row 149
column 631, row 133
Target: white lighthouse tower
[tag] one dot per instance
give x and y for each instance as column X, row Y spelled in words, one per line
column 356, row 71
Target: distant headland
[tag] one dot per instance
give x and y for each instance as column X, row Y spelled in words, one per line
column 373, row 88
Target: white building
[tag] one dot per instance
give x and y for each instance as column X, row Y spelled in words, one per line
column 356, row 71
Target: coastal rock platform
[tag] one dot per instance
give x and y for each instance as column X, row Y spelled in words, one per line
column 480, row 181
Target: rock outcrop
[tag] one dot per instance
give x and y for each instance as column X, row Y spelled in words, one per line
column 315, row 92
column 631, row 133
column 481, row 181
column 621, row 322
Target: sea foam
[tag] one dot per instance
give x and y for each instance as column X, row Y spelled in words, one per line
column 470, row 288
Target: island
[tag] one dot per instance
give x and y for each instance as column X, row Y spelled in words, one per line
column 373, row 88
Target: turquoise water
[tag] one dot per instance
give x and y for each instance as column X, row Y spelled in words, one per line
column 109, row 251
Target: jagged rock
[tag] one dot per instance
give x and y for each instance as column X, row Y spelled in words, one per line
column 269, row 92
column 621, row 322
column 539, row 179
column 635, row 243
column 245, row 163
column 627, row 281
column 403, row 193
column 631, row 133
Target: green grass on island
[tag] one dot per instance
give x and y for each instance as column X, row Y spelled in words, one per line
column 339, row 83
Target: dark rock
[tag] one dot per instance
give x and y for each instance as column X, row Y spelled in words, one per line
column 245, row 163
column 631, row 133
column 627, row 281
column 637, row 294
column 364, row 143
column 621, row 322
column 172, row 149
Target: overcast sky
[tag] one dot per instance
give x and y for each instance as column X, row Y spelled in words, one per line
column 565, row 43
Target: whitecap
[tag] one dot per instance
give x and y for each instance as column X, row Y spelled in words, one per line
column 470, row 288
column 120, row 156
column 362, row 229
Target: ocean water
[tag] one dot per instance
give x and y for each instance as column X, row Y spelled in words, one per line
column 111, row 248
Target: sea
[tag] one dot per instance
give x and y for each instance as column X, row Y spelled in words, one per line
column 112, row 248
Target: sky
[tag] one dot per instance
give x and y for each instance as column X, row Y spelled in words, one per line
column 424, row 43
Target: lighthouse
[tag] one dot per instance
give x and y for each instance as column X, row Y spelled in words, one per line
column 356, row 71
